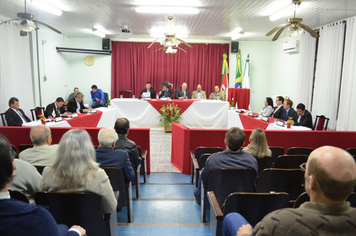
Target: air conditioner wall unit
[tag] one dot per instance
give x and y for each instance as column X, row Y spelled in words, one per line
column 291, row 46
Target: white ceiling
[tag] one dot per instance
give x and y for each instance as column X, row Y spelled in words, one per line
column 217, row 19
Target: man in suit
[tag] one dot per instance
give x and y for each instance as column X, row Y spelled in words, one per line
column 288, row 110
column 14, row 115
column 56, row 108
column 166, row 92
column 19, row 218
column 98, row 97
column 107, row 156
column 77, row 103
column 278, row 111
column 122, row 126
column 148, row 89
column 183, row 92
column 303, row 117
column 42, row 153
column 72, row 95
column 199, row 94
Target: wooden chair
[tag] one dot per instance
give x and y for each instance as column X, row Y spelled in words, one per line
column 36, row 112
column 290, row 161
column 15, row 151
column 299, row 151
column 106, row 96
column 223, row 181
column 23, row 147
column 263, row 163
column 15, row 194
column 125, row 93
column 40, row 169
column 321, row 123
column 144, row 163
column 198, row 166
column 252, row 206
column 76, row 208
column 352, row 151
column 116, row 177
column 281, row 180
column 4, row 123
column 276, row 152
column 303, row 197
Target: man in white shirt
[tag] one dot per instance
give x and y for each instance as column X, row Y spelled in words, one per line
column 14, row 115
column 199, row 94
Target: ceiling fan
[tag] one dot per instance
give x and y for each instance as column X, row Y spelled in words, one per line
column 294, row 25
column 170, row 42
column 28, row 23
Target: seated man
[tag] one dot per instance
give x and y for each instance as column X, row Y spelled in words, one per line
column 199, row 94
column 42, row 153
column 14, row 115
column 148, row 89
column 288, row 110
column 183, row 92
column 303, row 117
column 74, row 94
column 166, row 92
column 232, row 157
column 97, row 95
column 216, row 95
column 122, row 126
column 76, row 104
column 56, row 108
column 278, row 111
column 107, row 156
column 330, row 176
column 19, row 218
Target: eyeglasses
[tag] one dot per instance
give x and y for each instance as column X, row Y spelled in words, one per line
column 302, row 166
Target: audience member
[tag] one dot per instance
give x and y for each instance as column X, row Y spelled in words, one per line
column 183, row 92
column 14, row 115
column 199, row 94
column 98, row 97
column 106, row 155
column 232, row 157
column 74, row 94
column 148, row 89
column 288, row 110
column 75, row 169
column 303, row 117
column 19, row 218
column 278, row 111
column 330, row 176
column 258, row 146
column 76, row 104
column 56, row 108
column 216, row 95
column 166, row 92
column 267, row 110
column 42, row 153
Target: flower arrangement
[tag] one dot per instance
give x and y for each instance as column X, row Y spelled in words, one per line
column 42, row 118
column 169, row 113
column 290, row 122
column 232, row 102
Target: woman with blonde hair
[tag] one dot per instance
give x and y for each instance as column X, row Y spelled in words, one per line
column 75, row 169
column 258, row 146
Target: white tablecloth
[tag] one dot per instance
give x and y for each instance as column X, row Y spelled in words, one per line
column 273, row 126
column 201, row 114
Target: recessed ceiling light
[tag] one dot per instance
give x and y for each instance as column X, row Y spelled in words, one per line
column 275, row 6
column 167, row 10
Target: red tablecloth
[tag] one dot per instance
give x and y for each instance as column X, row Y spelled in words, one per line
column 249, row 122
column 85, row 120
column 182, row 104
column 241, row 96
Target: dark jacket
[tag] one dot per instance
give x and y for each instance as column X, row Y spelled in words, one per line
column 49, row 110
column 179, row 93
column 152, row 91
column 13, row 119
column 169, row 94
column 306, row 120
column 72, row 106
column 126, row 144
column 280, row 113
column 291, row 113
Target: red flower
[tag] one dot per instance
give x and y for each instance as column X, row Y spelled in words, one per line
column 167, row 116
column 173, row 115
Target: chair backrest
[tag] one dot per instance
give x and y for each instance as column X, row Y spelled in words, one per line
column 263, row 163
column 352, row 199
column 276, row 152
column 352, row 151
column 14, row 194
column 223, row 181
column 281, row 180
column 40, row 169
column 125, row 93
column 23, row 147
column 299, row 151
column 254, row 206
column 201, row 150
column 290, row 161
column 76, row 208
column 202, row 160
column 166, row 82
column 304, row 197
column 4, row 123
column 15, row 150
column 106, row 96
column 36, row 112
column 117, row 181
column 321, row 123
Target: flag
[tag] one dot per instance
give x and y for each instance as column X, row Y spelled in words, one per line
column 238, row 71
column 246, row 82
column 224, row 77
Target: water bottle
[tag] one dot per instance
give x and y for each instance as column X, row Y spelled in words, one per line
column 78, row 111
column 157, row 97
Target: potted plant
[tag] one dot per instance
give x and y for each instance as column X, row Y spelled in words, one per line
column 290, row 122
column 169, row 113
column 43, row 119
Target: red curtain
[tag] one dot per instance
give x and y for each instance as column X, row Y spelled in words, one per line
column 133, row 65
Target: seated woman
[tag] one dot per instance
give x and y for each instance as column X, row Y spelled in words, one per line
column 258, row 146
column 75, row 169
column 267, row 110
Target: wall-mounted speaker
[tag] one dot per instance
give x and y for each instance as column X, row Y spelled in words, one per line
column 106, row 44
column 234, row 47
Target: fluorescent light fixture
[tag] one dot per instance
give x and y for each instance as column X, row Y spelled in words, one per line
column 167, row 10
column 46, row 7
column 59, row 4
column 275, row 6
column 167, row 3
column 87, row 51
column 102, row 29
column 288, row 11
column 98, row 33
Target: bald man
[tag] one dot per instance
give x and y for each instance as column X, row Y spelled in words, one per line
column 330, row 177
column 216, row 95
column 183, row 92
column 199, row 94
column 42, row 153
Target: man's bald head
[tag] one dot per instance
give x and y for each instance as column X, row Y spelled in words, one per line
column 184, row 86
column 40, row 135
column 334, row 170
column 107, row 137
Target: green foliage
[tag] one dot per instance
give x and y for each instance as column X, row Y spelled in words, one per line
column 169, row 113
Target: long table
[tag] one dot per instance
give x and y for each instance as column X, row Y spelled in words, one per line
column 195, row 113
column 188, row 139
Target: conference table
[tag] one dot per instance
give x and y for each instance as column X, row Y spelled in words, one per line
column 195, row 113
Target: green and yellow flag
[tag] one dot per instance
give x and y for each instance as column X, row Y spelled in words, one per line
column 238, row 71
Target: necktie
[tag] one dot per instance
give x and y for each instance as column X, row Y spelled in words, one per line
column 165, row 93
column 21, row 116
column 183, row 93
column 276, row 110
column 286, row 116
